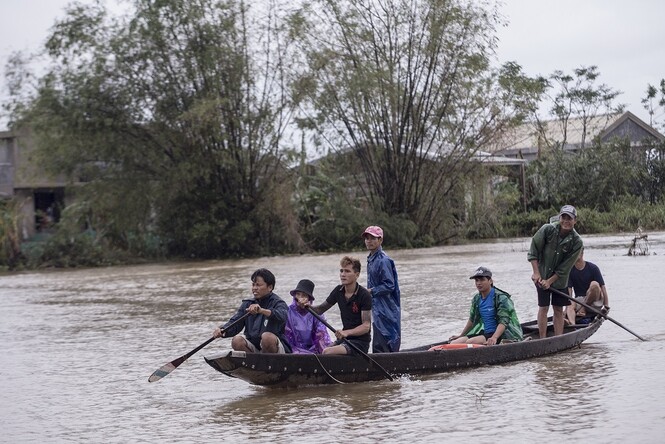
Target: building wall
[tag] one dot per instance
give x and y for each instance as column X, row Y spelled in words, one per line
column 523, row 142
column 629, row 130
column 7, row 142
column 39, row 195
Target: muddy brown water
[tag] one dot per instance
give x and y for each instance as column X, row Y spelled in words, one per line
column 78, row 347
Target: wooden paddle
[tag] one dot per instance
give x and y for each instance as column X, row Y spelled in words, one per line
column 168, row 368
column 351, row 344
column 595, row 310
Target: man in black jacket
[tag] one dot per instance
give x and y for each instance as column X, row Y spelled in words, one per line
column 264, row 328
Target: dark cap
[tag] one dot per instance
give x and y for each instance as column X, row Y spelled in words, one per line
column 569, row 210
column 306, row 286
column 481, row 272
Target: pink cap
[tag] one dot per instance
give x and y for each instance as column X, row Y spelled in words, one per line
column 374, row 231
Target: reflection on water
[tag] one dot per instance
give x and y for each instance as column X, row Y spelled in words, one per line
column 292, row 410
column 577, row 385
column 79, row 345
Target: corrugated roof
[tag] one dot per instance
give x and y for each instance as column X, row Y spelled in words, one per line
column 488, row 158
column 526, row 138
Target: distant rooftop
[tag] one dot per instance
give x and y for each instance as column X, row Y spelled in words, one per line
column 526, row 140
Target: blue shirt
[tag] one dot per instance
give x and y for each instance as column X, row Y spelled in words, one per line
column 487, row 312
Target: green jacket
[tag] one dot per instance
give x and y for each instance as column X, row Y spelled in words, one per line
column 554, row 254
column 505, row 314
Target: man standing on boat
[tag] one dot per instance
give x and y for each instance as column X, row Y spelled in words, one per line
column 264, row 328
column 383, row 285
column 554, row 250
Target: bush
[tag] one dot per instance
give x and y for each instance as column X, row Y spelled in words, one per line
column 625, row 215
column 62, row 250
column 526, row 224
column 10, row 249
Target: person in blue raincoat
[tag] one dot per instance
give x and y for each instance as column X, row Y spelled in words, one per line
column 383, row 285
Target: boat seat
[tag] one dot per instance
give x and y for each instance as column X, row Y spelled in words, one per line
column 532, row 327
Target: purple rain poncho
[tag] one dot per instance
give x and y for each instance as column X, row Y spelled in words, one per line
column 305, row 333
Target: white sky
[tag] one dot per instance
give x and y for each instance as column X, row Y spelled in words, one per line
column 626, row 40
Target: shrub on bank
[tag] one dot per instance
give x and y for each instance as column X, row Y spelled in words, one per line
column 525, row 224
column 626, row 215
column 64, row 248
column 62, row 251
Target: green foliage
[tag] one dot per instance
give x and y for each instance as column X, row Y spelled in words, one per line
column 174, row 119
column 654, row 104
column 409, row 89
column 628, row 214
column 10, row 243
column 653, row 177
column 176, row 124
column 575, row 96
column 591, row 221
column 332, row 217
column 593, row 177
column 69, row 250
column 526, row 224
column 329, row 212
column 76, row 242
column 485, row 214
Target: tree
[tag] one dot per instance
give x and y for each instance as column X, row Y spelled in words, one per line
column 176, row 118
column 10, row 233
column 654, row 104
column 408, row 87
column 654, row 173
column 575, row 96
column 592, row 178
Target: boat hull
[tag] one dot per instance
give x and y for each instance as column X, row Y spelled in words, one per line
column 293, row 370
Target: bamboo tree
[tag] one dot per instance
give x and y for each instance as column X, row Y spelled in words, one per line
column 175, row 118
column 409, row 88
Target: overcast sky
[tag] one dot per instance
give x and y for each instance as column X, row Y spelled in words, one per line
column 624, row 39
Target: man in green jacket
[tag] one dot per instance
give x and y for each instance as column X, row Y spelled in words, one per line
column 554, row 250
column 492, row 317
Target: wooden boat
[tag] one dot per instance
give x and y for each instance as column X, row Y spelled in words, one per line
column 292, row 370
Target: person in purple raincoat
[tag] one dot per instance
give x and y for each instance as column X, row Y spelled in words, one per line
column 304, row 332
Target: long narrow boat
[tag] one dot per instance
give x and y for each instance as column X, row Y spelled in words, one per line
column 292, row 370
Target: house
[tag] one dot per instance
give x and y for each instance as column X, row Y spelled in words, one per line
column 40, row 196
column 526, row 141
column 495, row 170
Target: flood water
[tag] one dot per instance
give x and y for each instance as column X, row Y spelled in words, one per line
column 78, row 347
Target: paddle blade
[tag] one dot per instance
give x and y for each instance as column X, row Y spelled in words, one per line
column 168, row 368
column 164, row 370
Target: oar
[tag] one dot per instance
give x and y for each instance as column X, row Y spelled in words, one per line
column 168, row 368
column 351, row 344
column 595, row 310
